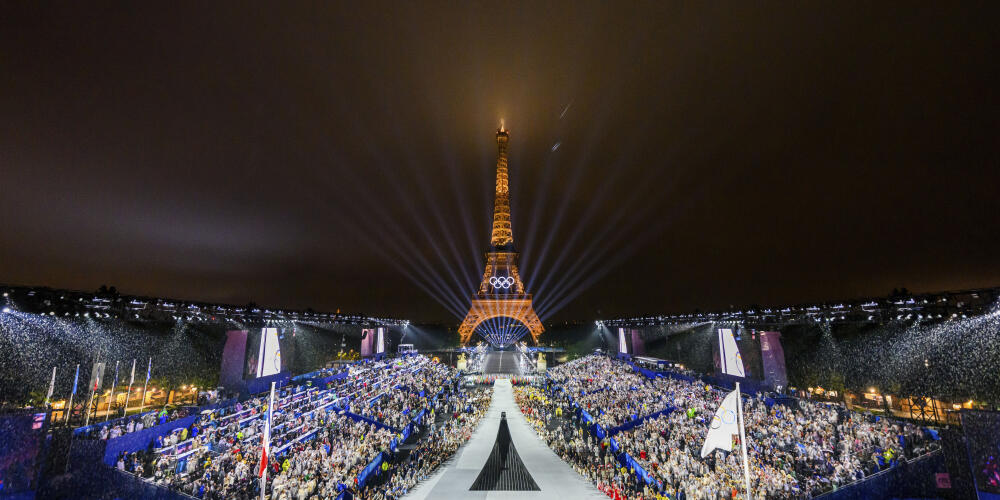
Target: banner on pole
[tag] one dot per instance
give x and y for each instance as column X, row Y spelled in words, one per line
column 76, row 378
column 724, row 426
column 96, row 374
column 52, row 385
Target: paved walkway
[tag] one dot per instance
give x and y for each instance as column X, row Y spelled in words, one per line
column 555, row 478
column 502, row 362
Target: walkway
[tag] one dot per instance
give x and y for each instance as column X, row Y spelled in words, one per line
column 502, row 362
column 555, row 478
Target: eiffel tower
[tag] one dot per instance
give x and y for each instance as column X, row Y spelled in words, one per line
column 501, row 293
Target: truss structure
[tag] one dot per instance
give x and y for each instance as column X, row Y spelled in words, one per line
column 501, row 293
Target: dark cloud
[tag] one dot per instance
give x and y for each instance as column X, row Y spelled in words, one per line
column 341, row 156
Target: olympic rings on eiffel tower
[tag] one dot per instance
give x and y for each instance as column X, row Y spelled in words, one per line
column 501, row 281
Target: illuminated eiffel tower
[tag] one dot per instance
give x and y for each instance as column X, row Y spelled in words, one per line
column 501, row 293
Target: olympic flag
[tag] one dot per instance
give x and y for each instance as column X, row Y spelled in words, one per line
column 728, row 421
column 724, row 426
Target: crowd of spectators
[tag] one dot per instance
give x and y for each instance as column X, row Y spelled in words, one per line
column 609, row 390
column 560, row 428
column 134, row 423
column 317, row 448
column 451, row 424
column 796, row 451
column 396, row 405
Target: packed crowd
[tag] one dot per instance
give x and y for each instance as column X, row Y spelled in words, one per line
column 396, row 405
column 556, row 423
column 610, row 391
column 451, row 424
column 317, row 448
column 134, row 423
column 796, row 451
column 514, row 379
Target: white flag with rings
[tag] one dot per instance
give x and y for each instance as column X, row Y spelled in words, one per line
column 724, row 425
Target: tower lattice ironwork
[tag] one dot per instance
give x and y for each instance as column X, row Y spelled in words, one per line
column 501, row 293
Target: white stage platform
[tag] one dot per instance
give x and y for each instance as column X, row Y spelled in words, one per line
column 555, row 478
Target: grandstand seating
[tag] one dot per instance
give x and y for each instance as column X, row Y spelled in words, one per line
column 652, row 424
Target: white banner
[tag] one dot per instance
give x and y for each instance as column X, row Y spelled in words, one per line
column 729, row 354
column 724, row 426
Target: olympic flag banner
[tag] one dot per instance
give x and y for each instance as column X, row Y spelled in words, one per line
column 724, row 426
column 728, row 420
column 729, row 354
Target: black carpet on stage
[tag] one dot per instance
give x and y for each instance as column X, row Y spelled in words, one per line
column 504, row 470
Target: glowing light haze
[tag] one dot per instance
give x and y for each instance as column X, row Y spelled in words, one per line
column 341, row 156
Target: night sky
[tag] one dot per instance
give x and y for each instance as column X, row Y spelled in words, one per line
column 341, row 156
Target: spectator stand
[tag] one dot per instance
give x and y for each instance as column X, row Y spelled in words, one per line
column 640, row 420
column 263, row 384
column 94, row 429
column 319, row 378
column 890, row 476
column 303, row 399
column 140, row 440
column 623, row 458
column 599, row 432
column 373, row 468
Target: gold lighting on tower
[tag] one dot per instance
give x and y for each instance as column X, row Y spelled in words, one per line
column 501, row 293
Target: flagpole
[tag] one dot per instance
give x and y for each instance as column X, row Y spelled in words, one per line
column 112, row 397
column 266, row 444
column 97, row 383
column 128, row 393
column 69, row 409
column 142, row 404
column 743, row 440
column 263, row 467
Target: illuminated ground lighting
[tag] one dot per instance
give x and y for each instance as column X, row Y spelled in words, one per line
column 502, row 331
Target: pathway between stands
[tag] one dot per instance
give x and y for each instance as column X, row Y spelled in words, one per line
column 555, row 478
column 502, row 362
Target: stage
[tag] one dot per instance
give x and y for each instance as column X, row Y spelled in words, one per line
column 505, row 362
column 554, row 477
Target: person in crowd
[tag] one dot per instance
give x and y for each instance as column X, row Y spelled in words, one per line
column 321, row 439
column 796, row 451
